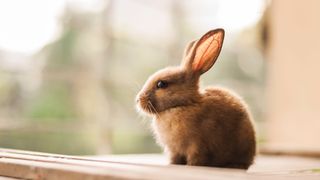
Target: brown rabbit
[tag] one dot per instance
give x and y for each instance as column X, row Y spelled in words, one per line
column 209, row 128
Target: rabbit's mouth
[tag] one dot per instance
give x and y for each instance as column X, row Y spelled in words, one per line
column 146, row 106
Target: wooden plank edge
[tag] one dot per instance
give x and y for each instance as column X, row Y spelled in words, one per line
column 41, row 170
column 289, row 152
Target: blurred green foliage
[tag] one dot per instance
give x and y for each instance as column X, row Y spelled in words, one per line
column 53, row 103
column 126, row 142
column 49, row 141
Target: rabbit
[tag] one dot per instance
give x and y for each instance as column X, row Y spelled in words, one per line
column 212, row 127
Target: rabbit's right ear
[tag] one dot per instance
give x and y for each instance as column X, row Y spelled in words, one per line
column 202, row 54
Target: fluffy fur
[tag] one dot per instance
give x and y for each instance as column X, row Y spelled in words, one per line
column 209, row 128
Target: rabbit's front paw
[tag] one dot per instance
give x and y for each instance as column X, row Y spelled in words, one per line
column 178, row 159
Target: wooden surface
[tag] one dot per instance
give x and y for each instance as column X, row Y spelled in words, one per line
column 32, row 165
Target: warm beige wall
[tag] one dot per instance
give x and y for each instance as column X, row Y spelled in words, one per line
column 294, row 75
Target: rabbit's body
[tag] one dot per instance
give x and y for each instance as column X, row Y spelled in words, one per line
column 219, row 136
column 210, row 128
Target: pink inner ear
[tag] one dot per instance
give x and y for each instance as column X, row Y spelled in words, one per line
column 207, row 50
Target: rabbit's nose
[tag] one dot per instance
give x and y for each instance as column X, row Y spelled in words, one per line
column 142, row 98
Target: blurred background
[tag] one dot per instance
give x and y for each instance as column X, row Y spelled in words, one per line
column 70, row 69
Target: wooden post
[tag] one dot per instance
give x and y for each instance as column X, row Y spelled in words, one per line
column 294, row 76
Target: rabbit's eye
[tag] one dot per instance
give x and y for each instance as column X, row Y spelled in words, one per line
column 162, row 84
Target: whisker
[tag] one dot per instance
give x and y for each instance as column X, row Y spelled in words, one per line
column 151, row 105
column 141, row 115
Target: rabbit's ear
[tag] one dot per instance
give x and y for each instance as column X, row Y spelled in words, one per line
column 204, row 53
column 188, row 48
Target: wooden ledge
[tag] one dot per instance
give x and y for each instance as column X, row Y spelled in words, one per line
column 34, row 165
column 292, row 151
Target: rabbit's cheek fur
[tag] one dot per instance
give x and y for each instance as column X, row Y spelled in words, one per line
column 178, row 94
column 163, row 99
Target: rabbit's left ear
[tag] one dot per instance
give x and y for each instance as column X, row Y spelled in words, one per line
column 204, row 52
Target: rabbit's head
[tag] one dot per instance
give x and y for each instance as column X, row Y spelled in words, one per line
column 178, row 86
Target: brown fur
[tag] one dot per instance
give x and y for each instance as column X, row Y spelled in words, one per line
column 209, row 128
